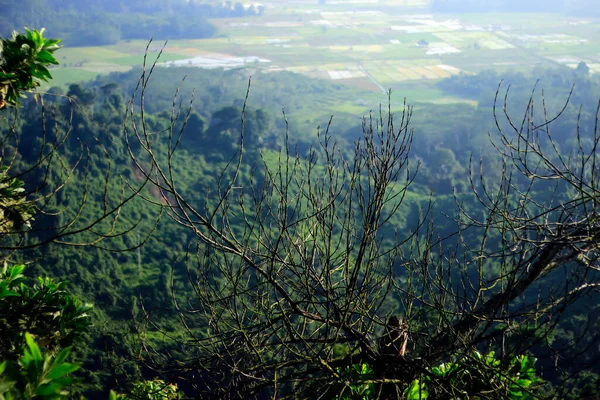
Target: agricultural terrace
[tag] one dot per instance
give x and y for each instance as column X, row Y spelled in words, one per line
column 370, row 44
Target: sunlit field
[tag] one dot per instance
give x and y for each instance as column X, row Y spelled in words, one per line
column 353, row 43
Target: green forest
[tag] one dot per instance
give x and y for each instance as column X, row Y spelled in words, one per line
column 82, row 23
column 172, row 233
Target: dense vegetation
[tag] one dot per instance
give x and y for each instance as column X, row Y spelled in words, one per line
column 86, row 153
column 107, row 22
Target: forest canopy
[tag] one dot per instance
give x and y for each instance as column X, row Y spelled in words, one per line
column 229, row 254
column 95, row 23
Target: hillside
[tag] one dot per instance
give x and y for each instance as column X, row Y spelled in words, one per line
column 271, row 231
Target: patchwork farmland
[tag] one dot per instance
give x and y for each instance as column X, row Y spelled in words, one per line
column 353, row 42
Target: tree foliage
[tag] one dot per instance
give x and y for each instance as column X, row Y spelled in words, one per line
column 108, row 22
column 44, row 309
column 39, row 205
column 321, row 272
column 37, row 375
column 23, row 64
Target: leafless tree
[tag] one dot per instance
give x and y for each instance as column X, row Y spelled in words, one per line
column 300, row 271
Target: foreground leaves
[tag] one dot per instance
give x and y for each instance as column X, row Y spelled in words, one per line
column 37, row 374
column 23, row 65
column 45, row 309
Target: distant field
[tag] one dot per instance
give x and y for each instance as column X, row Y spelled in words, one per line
column 404, row 48
column 63, row 76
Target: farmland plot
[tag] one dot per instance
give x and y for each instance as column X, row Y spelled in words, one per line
column 352, row 42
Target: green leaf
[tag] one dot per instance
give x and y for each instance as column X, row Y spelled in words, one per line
column 37, row 38
column 16, row 270
column 524, row 383
column 62, row 370
column 5, row 386
column 46, row 57
column 26, row 359
column 36, row 354
column 40, row 72
column 7, row 75
column 8, row 293
column 62, row 355
column 52, row 43
column 48, row 389
column 416, row 391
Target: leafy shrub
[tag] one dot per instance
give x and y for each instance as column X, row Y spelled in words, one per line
column 37, row 374
column 470, row 377
column 44, row 309
column 149, row 390
column 23, row 64
column 354, row 388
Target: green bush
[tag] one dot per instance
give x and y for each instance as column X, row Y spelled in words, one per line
column 44, row 309
column 37, row 374
column 23, row 65
column 472, row 377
